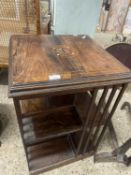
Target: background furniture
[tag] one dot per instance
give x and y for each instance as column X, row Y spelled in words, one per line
column 122, row 52
column 20, row 17
column 63, row 103
column 17, row 16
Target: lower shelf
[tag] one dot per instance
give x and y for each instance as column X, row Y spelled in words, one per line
column 49, row 154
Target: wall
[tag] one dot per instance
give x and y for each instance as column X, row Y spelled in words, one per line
column 76, row 16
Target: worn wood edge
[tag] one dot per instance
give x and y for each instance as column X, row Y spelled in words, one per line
column 82, row 80
column 66, row 89
column 91, row 79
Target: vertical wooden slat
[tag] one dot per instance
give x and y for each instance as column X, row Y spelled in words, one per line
column 26, row 29
column 111, row 114
column 113, row 135
column 38, row 16
column 101, row 101
column 19, row 119
column 89, row 111
column 105, row 112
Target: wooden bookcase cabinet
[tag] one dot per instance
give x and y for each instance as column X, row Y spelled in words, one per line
column 62, row 120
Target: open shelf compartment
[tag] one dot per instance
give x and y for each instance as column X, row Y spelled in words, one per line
column 44, row 104
column 49, row 154
column 39, row 128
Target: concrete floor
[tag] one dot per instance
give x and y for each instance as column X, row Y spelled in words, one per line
column 12, row 156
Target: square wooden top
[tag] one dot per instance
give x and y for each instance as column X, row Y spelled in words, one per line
column 43, row 62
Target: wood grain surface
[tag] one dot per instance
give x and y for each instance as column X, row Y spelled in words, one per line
column 58, row 59
column 35, row 105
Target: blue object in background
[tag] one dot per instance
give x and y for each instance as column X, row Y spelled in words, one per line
column 77, row 17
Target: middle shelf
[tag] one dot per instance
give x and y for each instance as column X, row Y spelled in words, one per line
column 50, row 117
column 38, row 128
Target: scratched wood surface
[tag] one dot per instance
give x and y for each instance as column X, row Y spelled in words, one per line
column 48, row 59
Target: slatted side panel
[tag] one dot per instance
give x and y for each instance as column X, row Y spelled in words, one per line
column 17, row 17
column 106, row 102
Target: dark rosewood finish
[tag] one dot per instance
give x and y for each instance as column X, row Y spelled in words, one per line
column 54, row 63
column 63, row 89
